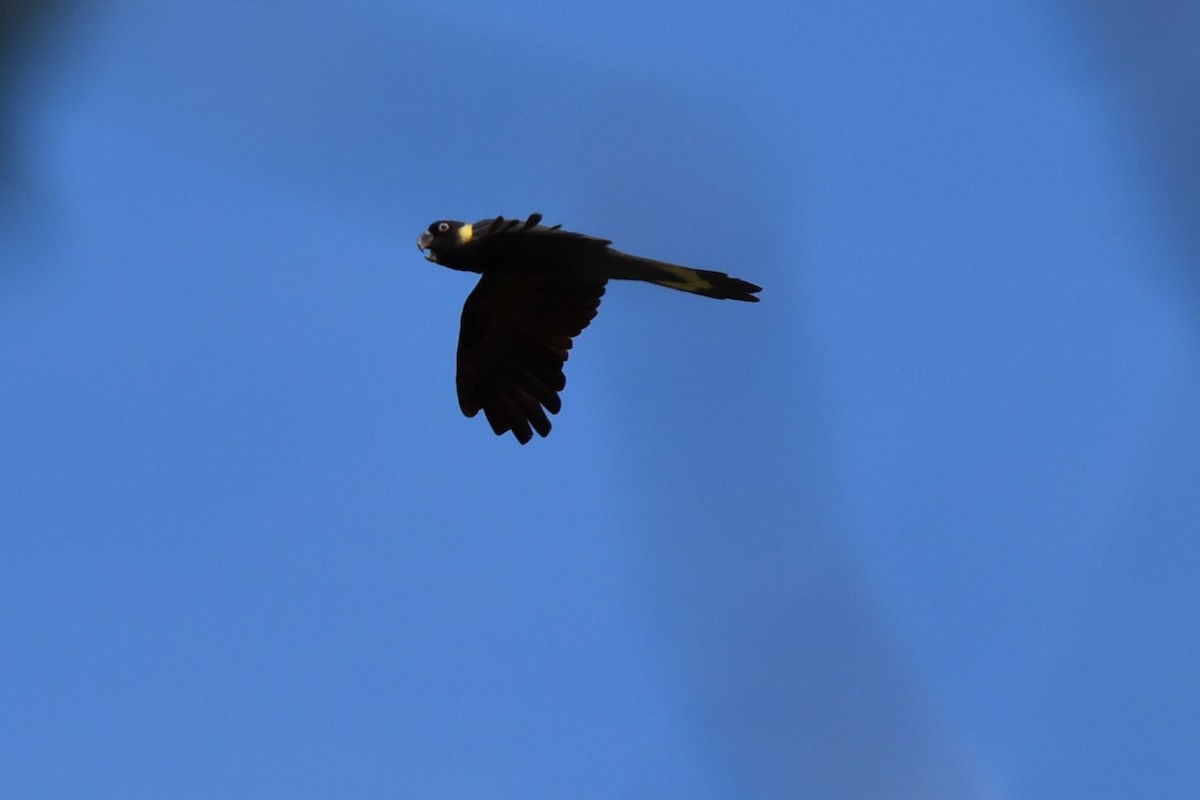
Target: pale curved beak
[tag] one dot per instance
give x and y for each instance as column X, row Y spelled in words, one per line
column 424, row 240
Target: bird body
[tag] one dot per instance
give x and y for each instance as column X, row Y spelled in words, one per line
column 540, row 287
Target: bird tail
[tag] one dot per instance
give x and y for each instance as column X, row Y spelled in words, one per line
column 706, row 282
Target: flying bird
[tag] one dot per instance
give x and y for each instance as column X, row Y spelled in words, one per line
column 540, row 287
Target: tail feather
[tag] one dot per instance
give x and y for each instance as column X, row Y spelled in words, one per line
column 706, row 282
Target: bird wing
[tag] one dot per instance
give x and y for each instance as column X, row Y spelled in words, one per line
column 515, row 333
column 536, row 246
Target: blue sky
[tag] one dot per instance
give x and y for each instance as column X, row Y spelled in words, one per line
column 920, row 524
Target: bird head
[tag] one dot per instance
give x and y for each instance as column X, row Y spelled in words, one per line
column 443, row 238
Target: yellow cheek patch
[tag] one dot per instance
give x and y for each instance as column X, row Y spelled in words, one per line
column 465, row 232
column 686, row 279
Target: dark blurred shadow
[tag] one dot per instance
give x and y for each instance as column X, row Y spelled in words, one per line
column 28, row 34
column 1129, row 679
column 1151, row 53
column 26, row 29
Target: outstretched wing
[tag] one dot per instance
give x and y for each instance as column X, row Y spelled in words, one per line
column 515, row 333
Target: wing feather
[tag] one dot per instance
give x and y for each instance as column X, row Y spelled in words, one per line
column 515, row 335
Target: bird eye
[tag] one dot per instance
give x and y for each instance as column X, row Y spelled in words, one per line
column 443, row 227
